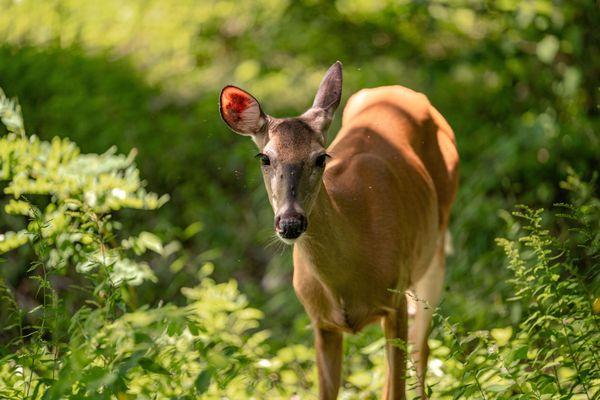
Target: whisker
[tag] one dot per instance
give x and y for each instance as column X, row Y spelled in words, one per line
column 275, row 242
column 271, row 241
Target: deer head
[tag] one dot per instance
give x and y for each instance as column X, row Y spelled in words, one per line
column 291, row 150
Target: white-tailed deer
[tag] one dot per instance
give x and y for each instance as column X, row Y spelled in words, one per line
column 367, row 216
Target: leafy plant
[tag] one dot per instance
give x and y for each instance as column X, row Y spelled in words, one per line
column 553, row 351
column 107, row 347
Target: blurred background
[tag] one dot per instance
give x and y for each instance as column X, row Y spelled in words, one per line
column 517, row 80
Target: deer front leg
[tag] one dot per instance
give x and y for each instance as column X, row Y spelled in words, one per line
column 328, row 345
column 395, row 330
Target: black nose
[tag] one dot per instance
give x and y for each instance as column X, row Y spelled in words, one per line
column 290, row 225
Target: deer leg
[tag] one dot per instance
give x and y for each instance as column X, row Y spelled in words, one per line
column 427, row 291
column 395, row 330
column 328, row 345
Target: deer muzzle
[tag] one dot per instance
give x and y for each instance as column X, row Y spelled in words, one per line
column 291, row 224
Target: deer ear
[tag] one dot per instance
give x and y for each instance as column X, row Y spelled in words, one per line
column 241, row 111
column 327, row 99
column 330, row 91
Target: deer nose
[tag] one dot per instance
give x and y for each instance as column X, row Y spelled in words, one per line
column 291, row 224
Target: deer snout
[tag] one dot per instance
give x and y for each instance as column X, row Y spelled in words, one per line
column 291, row 224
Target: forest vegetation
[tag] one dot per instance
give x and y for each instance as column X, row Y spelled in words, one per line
column 136, row 252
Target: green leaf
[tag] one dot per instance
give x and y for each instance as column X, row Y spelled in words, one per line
column 519, row 353
column 502, row 335
column 203, row 380
column 150, row 365
column 497, row 388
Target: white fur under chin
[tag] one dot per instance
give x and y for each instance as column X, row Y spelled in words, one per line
column 287, row 241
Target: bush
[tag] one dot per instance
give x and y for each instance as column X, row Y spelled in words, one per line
column 105, row 345
column 553, row 351
column 105, row 103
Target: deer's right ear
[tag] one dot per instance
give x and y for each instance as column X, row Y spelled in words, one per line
column 241, row 111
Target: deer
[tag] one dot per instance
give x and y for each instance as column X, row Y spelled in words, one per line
column 367, row 216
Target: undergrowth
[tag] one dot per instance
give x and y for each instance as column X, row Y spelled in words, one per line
column 553, row 353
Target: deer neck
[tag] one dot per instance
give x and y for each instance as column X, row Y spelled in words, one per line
column 325, row 241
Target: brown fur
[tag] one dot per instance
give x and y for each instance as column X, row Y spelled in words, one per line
column 378, row 216
column 383, row 208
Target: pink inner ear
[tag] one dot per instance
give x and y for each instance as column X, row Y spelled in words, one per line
column 235, row 103
column 240, row 110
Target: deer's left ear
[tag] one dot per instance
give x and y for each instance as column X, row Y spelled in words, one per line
column 327, row 99
column 241, row 111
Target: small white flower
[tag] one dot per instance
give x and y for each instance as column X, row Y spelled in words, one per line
column 435, row 366
column 118, row 193
column 1, row 237
column 493, row 349
column 90, row 198
column 264, row 363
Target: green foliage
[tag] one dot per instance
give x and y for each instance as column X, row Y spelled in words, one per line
column 93, row 271
column 515, row 79
column 82, row 190
column 106, row 347
column 203, row 348
column 553, row 351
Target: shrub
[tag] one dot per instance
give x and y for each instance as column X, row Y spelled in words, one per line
column 553, row 351
column 106, row 346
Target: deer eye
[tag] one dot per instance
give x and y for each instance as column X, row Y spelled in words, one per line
column 320, row 160
column 264, row 159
